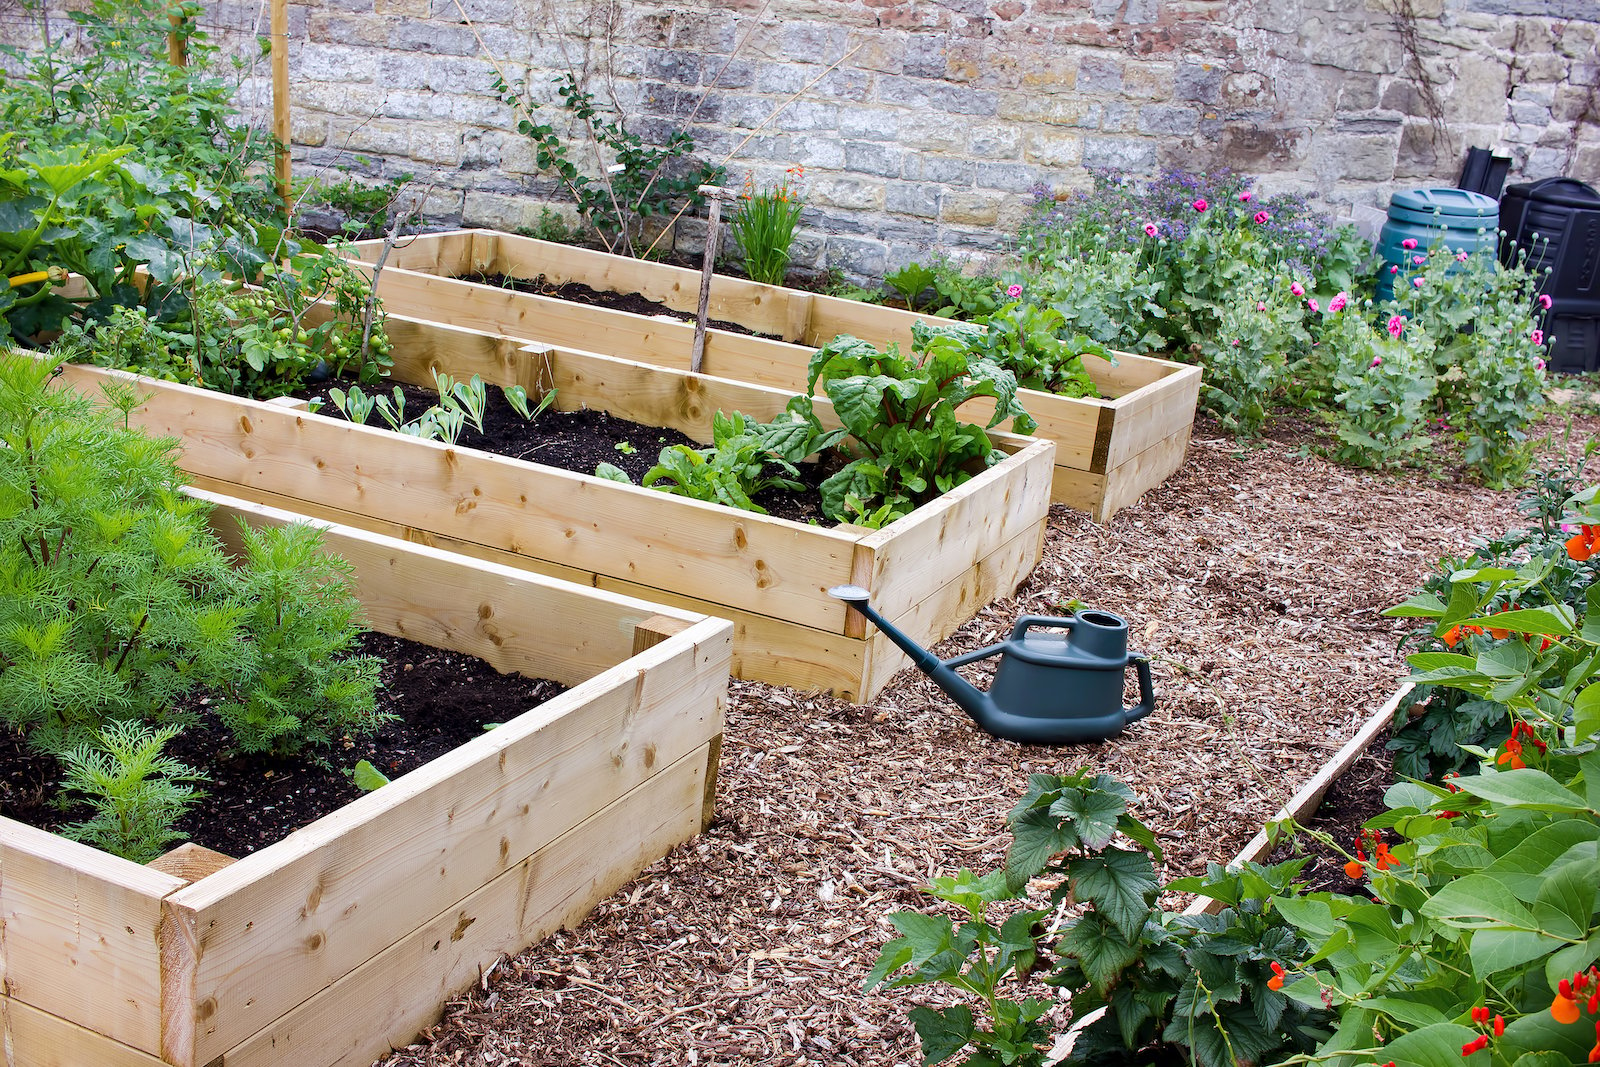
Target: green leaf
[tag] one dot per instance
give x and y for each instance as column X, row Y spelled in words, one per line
column 1436, row 1046
column 944, row 1032
column 1566, row 902
column 1527, row 788
column 1476, row 899
column 1417, row 606
column 1099, row 949
column 1495, row 949
column 367, row 777
column 1538, row 1031
column 1586, row 710
column 1120, row 883
column 1093, row 814
column 1554, row 621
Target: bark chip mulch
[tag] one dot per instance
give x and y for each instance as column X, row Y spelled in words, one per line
column 1254, row 576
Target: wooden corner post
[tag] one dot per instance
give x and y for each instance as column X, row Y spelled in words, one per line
column 718, row 195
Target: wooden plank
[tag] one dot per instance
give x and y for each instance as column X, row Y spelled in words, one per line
column 1306, row 799
column 941, row 540
column 34, row 1038
column 941, row 612
column 436, row 253
column 1126, row 484
column 385, row 1002
column 498, row 613
column 75, row 920
column 190, row 862
column 278, row 926
column 1152, row 414
column 1078, row 489
column 656, row 629
column 762, row 564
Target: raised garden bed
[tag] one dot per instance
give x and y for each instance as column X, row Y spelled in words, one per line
column 1108, row 452
column 930, row 571
column 346, row 936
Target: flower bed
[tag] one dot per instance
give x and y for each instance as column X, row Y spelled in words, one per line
column 1108, row 452
column 382, row 910
column 930, row 571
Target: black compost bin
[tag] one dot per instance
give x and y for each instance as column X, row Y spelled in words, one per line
column 1557, row 221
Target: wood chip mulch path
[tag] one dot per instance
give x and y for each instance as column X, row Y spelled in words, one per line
column 1255, row 577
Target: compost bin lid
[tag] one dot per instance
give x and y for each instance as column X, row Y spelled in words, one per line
column 1459, row 203
column 1567, row 192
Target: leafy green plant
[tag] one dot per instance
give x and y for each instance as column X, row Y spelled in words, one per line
column 1110, row 297
column 745, row 459
column 651, row 180
column 1382, row 380
column 906, row 442
column 362, row 208
column 764, row 224
column 1027, row 340
column 118, row 602
column 517, row 397
column 1201, row 985
column 911, row 281
column 136, row 793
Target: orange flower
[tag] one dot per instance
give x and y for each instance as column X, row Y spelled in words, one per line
column 1276, row 981
column 1384, row 860
column 1353, row 869
column 1512, row 754
column 1563, row 1008
column 1453, row 636
column 1584, row 543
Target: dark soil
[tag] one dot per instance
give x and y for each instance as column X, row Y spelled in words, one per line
column 1353, row 798
column 636, row 303
column 581, row 440
column 442, row 700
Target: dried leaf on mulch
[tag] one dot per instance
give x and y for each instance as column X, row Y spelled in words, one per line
column 1254, row 577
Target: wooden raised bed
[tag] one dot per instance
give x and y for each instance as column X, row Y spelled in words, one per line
column 930, row 571
column 347, row 936
column 1108, row 452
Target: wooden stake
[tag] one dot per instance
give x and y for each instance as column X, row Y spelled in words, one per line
column 177, row 44
column 280, row 97
column 713, row 236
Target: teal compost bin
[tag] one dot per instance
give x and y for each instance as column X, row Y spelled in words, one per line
column 1465, row 221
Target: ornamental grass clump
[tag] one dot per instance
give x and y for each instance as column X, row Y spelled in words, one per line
column 764, row 225
column 118, row 604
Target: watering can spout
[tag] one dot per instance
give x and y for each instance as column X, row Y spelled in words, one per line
column 1049, row 689
column 970, row 698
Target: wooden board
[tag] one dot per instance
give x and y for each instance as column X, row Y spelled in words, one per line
column 34, row 1038
column 554, row 888
column 1149, row 400
column 76, row 919
column 271, row 930
column 1303, row 804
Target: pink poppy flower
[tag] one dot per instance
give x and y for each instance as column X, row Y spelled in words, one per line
column 1339, row 301
column 1462, row 257
column 1261, row 305
column 1261, row 218
column 1149, row 229
column 1313, row 305
column 1538, row 337
column 1235, row 342
column 1200, row 205
column 1377, row 361
column 1397, row 326
column 1416, row 283
column 1545, row 301
column 1419, row 260
column 1394, row 270
column 1297, row 289
column 1538, row 364
column 1409, row 243
column 1013, row 291
column 1245, row 197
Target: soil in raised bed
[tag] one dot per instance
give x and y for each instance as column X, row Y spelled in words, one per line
column 1353, row 798
column 636, row 303
column 442, row 700
column 581, row 440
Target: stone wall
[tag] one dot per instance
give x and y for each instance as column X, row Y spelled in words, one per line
column 924, row 125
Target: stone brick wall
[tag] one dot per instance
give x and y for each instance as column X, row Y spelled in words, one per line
column 923, row 125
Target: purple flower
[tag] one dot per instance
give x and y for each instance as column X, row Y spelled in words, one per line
column 1013, row 291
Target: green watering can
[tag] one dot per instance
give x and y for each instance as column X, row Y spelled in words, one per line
column 1059, row 681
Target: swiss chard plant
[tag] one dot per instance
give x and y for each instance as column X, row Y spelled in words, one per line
column 906, row 441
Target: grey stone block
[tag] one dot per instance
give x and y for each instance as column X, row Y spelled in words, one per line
column 995, row 142
column 1099, row 74
column 416, row 35
column 856, row 256
column 1201, row 82
column 1162, row 119
column 925, row 55
column 869, row 123
column 1124, row 153
column 946, row 170
column 1008, row 177
column 924, row 94
column 674, row 65
column 807, row 115
column 913, row 198
column 871, row 157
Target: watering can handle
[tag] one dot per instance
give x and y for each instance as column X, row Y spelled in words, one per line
column 1028, row 621
column 1147, row 692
